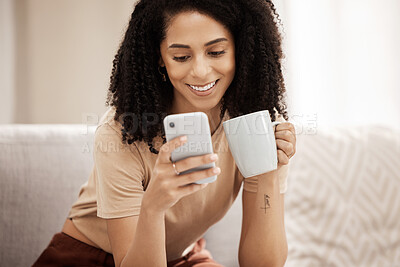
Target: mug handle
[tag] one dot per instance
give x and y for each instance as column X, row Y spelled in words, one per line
column 274, row 124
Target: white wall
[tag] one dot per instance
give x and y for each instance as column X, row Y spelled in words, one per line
column 343, row 61
column 342, row 64
column 63, row 57
column 6, row 61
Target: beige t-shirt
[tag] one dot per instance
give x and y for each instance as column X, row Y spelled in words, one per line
column 121, row 174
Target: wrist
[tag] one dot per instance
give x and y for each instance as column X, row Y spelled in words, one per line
column 148, row 209
column 268, row 179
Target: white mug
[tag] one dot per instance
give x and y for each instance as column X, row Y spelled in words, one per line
column 251, row 139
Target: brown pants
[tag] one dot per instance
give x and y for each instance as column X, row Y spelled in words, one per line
column 65, row 250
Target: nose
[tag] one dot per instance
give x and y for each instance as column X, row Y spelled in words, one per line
column 200, row 68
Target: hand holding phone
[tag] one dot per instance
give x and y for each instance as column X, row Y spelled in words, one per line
column 195, row 126
column 165, row 187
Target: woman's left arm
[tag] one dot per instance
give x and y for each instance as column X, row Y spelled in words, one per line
column 263, row 238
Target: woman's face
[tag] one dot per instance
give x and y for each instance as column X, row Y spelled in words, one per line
column 197, row 52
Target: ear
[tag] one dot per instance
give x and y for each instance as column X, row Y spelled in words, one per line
column 161, row 62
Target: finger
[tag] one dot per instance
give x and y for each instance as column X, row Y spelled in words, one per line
column 195, row 161
column 285, row 147
column 282, row 157
column 195, row 176
column 286, row 135
column 167, row 148
column 285, row 126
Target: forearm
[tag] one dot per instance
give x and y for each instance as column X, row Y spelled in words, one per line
column 148, row 246
column 265, row 243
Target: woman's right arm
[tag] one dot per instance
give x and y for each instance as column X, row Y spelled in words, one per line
column 140, row 240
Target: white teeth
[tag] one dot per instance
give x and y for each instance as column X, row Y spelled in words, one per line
column 205, row 88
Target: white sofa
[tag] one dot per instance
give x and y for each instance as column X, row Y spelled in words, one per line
column 342, row 206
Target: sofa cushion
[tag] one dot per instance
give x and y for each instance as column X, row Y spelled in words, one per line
column 343, row 201
column 42, row 168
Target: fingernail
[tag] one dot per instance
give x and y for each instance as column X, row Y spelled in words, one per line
column 183, row 138
column 214, row 157
column 217, row 170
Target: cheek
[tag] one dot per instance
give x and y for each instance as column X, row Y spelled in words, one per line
column 177, row 72
column 227, row 67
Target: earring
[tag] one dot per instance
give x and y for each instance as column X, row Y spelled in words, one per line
column 162, row 74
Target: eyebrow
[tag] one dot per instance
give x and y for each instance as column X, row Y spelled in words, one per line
column 207, row 44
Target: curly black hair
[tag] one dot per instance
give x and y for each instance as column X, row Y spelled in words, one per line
column 138, row 92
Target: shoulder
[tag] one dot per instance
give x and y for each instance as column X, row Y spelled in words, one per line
column 108, row 128
column 108, row 134
column 107, row 123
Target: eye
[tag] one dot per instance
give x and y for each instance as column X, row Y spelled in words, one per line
column 180, row 59
column 217, row 53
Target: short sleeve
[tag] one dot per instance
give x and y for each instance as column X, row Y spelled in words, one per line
column 251, row 184
column 120, row 172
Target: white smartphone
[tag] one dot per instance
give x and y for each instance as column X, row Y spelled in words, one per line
column 195, row 126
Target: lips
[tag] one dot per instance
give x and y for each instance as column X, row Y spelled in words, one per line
column 205, row 92
column 203, row 88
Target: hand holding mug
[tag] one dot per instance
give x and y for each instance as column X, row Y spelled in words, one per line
column 285, row 136
column 254, row 144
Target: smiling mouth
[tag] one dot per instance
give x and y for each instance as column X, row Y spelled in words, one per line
column 203, row 88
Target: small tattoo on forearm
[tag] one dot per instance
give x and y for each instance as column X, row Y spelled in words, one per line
column 266, row 203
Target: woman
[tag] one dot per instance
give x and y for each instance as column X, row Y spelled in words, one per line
column 219, row 57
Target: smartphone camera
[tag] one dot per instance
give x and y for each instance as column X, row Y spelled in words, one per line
column 171, row 124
